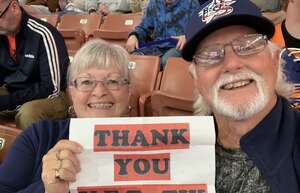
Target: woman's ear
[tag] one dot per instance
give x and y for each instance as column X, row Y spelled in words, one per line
column 70, row 94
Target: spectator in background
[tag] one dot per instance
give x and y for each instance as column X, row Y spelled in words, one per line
column 288, row 32
column 287, row 36
column 41, row 6
column 239, row 80
column 33, row 65
column 103, row 7
column 162, row 20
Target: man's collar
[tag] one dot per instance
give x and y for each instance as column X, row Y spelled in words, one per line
column 23, row 23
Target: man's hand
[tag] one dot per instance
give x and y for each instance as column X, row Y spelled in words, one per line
column 181, row 41
column 132, row 43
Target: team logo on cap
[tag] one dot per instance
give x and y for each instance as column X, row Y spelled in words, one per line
column 217, row 8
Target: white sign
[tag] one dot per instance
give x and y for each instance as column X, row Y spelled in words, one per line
column 145, row 154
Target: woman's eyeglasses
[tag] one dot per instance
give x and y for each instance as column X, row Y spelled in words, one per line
column 88, row 84
column 6, row 9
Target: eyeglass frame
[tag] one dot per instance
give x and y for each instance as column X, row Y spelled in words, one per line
column 121, row 82
column 223, row 46
column 6, row 9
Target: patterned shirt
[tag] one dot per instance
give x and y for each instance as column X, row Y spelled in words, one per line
column 161, row 21
column 236, row 173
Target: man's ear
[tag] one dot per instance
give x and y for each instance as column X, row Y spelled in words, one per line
column 277, row 57
column 192, row 71
column 15, row 5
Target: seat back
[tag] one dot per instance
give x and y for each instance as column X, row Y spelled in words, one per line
column 143, row 74
column 53, row 19
column 74, row 39
column 85, row 22
column 115, row 28
column 175, row 95
column 7, row 137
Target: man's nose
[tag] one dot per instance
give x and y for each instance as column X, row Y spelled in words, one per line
column 232, row 61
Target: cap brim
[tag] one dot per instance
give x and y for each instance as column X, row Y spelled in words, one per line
column 260, row 24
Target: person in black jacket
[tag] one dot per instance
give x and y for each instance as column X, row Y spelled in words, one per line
column 33, row 65
column 240, row 80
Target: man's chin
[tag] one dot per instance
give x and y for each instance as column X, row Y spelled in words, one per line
column 239, row 110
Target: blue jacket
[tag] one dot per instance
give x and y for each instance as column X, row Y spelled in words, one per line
column 274, row 145
column 161, row 21
column 40, row 67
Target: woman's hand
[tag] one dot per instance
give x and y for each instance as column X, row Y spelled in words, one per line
column 60, row 166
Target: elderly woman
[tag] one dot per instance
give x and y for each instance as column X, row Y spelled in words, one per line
column 98, row 81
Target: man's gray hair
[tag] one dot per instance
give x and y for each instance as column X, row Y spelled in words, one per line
column 101, row 54
column 283, row 87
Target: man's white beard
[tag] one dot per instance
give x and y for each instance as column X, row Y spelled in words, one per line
column 248, row 108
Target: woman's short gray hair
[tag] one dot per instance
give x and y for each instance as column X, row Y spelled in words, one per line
column 100, row 54
column 283, row 87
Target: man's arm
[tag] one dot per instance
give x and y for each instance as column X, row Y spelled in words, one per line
column 142, row 31
column 145, row 28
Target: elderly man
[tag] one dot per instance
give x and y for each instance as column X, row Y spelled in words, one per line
column 33, row 65
column 238, row 77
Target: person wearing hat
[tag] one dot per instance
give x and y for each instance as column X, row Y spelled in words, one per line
column 239, row 79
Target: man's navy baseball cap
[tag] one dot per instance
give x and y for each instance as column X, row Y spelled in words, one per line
column 217, row 14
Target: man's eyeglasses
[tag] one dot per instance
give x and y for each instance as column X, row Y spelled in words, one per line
column 86, row 84
column 245, row 45
column 6, row 9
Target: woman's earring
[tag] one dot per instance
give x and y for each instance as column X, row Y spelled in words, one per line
column 71, row 112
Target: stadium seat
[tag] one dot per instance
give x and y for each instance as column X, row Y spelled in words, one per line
column 74, row 39
column 143, row 74
column 115, row 28
column 53, row 19
column 175, row 94
column 85, row 22
column 8, row 133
